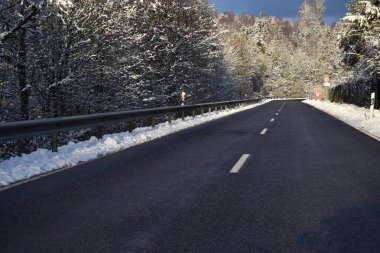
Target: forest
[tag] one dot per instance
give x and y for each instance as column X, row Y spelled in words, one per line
column 65, row 57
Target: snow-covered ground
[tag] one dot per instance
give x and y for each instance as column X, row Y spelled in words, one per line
column 43, row 160
column 357, row 117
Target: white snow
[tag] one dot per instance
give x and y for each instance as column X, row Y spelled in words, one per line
column 64, row 3
column 357, row 117
column 2, row 35
column 43, row 160
column 354, row 18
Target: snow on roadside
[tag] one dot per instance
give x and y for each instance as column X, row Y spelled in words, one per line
column 357, row 117
column 43, row 160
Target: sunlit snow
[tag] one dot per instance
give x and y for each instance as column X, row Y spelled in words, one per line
column 355, row 116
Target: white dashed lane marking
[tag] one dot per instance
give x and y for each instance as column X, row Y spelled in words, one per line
column 239, row 164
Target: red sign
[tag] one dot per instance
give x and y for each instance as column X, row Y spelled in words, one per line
column 318, row 94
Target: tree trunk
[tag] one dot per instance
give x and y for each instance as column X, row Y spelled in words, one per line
column 22, row 79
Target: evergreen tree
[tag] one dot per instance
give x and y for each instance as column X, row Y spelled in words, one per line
column 306, row 13
column 319, row 6
column 360, row 33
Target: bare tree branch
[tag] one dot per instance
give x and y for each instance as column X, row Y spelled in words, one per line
column 6, row 8
column 34, row 11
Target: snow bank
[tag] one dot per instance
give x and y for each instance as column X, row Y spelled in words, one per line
column 43, row 160
column 357, row 117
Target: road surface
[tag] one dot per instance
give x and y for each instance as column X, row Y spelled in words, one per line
column 282, row 177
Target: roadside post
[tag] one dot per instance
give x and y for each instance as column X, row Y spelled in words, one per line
column 326, row 86
column 372, row 108
column 183, row 97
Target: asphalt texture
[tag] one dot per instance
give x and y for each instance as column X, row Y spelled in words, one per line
column 312, row 184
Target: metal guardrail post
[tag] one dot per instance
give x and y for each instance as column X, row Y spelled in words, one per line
column 54, row 142
column 170, row 118
column 130, row 126
column 153, row 121
column 202, row 111
column 193, row 113
column 183, row 115
column 100, row 132
column 209, row 110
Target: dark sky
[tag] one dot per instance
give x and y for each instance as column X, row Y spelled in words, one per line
column 280, row 8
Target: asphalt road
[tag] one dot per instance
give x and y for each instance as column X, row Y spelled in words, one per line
column 310, row 184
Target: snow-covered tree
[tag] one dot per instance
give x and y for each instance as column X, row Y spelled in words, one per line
column 306, row 14
column 17, row 29
column 360, row 34
column 320, row 8
column 281, row 58
column 359, row 41
column 174, row 47
column 118, row 54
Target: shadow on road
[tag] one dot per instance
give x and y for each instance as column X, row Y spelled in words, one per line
column 353, row 230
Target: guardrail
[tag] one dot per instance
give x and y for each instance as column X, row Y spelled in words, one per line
column 30, row 128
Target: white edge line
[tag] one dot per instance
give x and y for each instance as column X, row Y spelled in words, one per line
column 264, row 131
column 40, row 176
column 239, row 164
